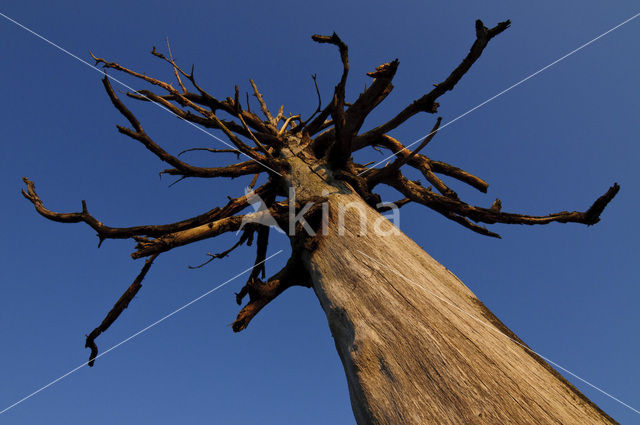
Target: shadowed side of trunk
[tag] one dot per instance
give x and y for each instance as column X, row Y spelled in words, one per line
column 417, row 345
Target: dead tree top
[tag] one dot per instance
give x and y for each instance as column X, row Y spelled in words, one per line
column 329, row 138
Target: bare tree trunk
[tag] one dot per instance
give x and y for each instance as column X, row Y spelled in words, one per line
column 417, row 346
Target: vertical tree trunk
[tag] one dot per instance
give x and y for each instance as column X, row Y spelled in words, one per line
column 416, row 344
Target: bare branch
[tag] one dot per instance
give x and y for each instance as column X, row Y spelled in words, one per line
column 236, row 100
column 255, row 140
column 262, row 293
column 205, row 121
column 458, row 211
column 176, row 69
column 344, row 57
column 246, row 236
column 469, row 225
column 427, row 167
column 181, row 167
column 279, row 115
column 234, row 170
column 183, row 100
column 234, row 151
column 253, row 181
column 483, row 35
column 226, row 223
column 340, row 150
column 263, row 105
column 320, row 122
column 286, row 124
column 105, row 232
column 457, row 173
column 262, row 243
column 366, row 102
column 377, row 175
column 117, row 309
column 259, row 266
column 399, row 162
column 318, row 109
column 372, row 96
column 179, row 97
column 118, row 67
column 427, row 103
column 146, row 247
column 387, row 205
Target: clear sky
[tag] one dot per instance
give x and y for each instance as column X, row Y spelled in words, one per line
column 556, row 142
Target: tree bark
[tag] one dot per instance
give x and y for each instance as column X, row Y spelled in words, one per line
column 416, row 344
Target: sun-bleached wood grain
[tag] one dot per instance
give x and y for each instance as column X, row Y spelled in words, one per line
column 410, row 356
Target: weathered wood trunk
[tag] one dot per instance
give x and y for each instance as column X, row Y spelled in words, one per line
column 417, row 346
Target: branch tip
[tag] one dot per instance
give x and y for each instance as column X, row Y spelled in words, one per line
column 593, row 213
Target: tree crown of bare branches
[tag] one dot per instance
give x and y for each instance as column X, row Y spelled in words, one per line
column 325, row 141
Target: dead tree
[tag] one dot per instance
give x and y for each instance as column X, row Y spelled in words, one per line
column 416, row 344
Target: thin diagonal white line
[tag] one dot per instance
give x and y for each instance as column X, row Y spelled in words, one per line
column 505, row 90
column 490, row 326
column 137, row 333
column 129, row 88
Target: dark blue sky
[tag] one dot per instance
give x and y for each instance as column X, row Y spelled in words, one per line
column 556, row 142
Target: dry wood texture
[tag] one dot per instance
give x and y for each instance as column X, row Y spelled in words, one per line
column 419, row 348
